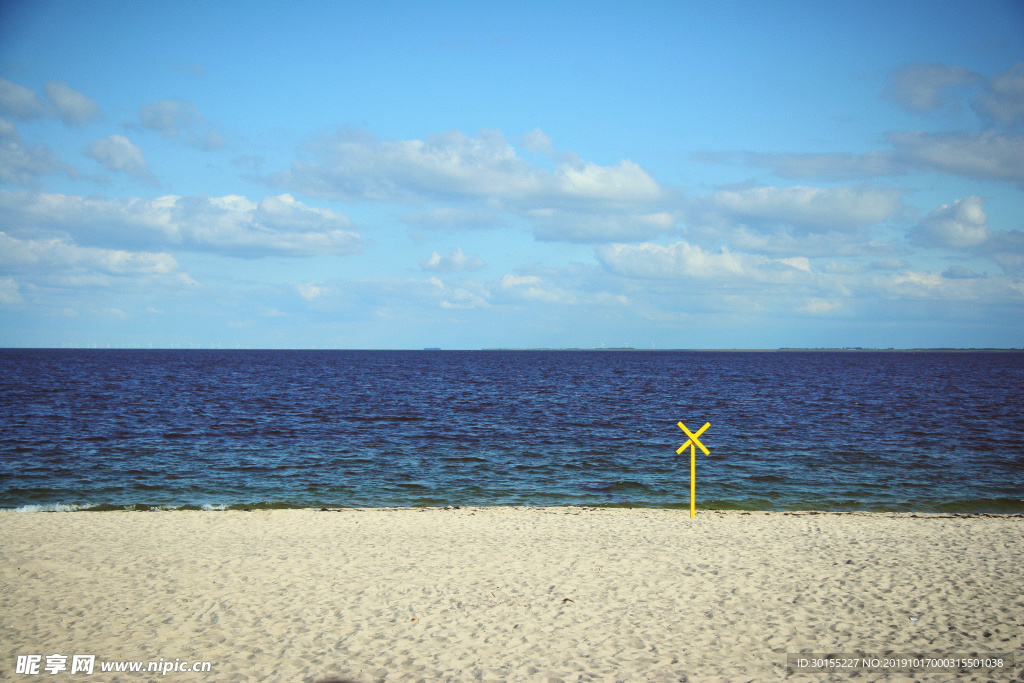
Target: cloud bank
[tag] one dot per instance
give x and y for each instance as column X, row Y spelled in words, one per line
column 230, row 226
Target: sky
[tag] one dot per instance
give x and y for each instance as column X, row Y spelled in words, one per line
column 401, row 175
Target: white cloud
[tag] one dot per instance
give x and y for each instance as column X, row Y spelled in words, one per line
column 132, row 221
column 839, row 268
column 1006, row 240
column 841, row 208
column 579, row 226
column 784, row 242
column 624, row 182
column 685, row 278
column 963, row 226
column 22, row 164
column 210, row 139
column 890, row 263
column 925, row 87
column 798, row 263
column 286, row 213
column 234, row 226
column 1012, row 264
column 451, row 219
column 57, row 253
column 987, row 156
column 356, row 165
column 959, row 225
column 309, row 291
column 169, row 117
column 112, row 312
column 829, row 167
column 193, row 68
column 117, row 153
column 508, row 281
column 922, row 88
column 456, row 262
column 1003, row 99
column 65, row 103
column 466, row 294
column 9, row 290
column 382, row 296
column 20, row 102
column 574, row 201
column 180, row 119
column 669, row 287
column 914, row 283
column 679, row 260
column 538, row 141
column 74, row 108
column 818, row 306
column 231, row 225
column 519, row 288
column 948, row 286
column 958, row 272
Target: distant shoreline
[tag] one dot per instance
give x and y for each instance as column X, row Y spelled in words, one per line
column 779, row 350
column 784, row 349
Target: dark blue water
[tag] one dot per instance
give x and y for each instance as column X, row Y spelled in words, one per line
column 789, row 430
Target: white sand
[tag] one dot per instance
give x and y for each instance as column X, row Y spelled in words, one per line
column 505, row 593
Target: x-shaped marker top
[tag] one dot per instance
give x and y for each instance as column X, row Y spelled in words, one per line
column 693, row 438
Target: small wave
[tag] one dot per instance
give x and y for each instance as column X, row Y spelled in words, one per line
column 766, row 478
column 51, row 507
column 133, row 507
column 623, row 485
column 266, row 505
column 430, row 502
column 983, row 505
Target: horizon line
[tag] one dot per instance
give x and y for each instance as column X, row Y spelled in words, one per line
column 852, row 349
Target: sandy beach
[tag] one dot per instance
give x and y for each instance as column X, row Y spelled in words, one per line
column 513, row 594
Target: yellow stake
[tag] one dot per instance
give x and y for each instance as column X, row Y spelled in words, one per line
column 693, row 480
column 693, row 443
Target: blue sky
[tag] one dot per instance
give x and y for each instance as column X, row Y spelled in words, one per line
column 472, row 175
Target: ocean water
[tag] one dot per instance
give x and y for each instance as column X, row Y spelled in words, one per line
column 896, row 431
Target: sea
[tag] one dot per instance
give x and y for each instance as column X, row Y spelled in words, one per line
column 930, row 432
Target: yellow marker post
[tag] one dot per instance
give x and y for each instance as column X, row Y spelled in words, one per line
column 693, row 442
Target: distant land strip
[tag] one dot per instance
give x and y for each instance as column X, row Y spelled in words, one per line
column 784, row 349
